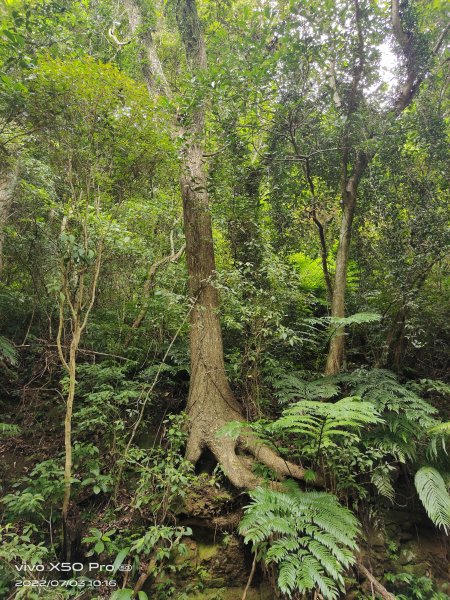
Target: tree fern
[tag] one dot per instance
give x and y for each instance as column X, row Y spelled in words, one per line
column 308, row 535
column 434, row 496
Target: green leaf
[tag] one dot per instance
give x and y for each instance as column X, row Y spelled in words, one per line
column 119, row 559
column 7, row 351
column 434, row 495
column 232, row 429
column 356, row 319
column 308, row 535
column 124, row 594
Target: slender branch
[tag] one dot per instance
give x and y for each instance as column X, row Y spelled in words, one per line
column 250, row 578
column 408, row 44
column 377, row 586
column 59, row 335
column 98, row 263
column 320, row 228
column 209, row 154
column 150, row 282
column 333, row 84
column 441, row 39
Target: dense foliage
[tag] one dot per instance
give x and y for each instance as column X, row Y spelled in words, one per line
column 311, row 143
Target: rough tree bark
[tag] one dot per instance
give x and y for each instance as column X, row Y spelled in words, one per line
column 211, row 402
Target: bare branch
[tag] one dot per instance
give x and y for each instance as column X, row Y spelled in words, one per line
column 116, row 40
column 376, row 585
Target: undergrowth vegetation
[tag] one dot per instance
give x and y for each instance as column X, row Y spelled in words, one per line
column 224, row 300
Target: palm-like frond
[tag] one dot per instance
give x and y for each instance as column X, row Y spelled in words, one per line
column 434, row 495
column 322, row 421
column 309, row 535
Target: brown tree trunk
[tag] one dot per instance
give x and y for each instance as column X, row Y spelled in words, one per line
column 349, row 188
column 211, row 402
column 336, row 349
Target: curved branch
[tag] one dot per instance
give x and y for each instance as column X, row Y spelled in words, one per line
column 115, row 39
column 150, row 284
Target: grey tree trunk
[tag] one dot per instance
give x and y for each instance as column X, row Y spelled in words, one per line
column 8, row 182
column 336, row 350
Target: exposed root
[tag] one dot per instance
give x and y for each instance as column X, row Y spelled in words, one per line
column 212, row 404
column 238, row 467
column 271, row 459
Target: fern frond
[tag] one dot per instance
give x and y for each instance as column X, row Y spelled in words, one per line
column 7, row 429
column 382, row 481
column 382, row 388
column 292, row 387
column 434, row 496
column 309, row 535
column 440, row 429
column 356, row 319
column 322, row 422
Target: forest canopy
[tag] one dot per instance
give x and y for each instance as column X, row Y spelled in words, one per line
column 224, row 299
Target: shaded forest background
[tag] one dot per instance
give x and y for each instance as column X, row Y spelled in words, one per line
column 224, row 296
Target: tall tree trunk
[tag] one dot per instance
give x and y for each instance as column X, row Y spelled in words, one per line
column 349, row 189
column 211, row 402
column 336, row 350
column 8, row 182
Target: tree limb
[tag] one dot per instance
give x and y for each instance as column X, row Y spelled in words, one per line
column 377, row 586
column 150, row 282
column 117, row 41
